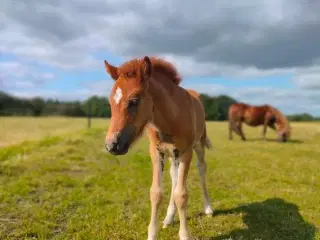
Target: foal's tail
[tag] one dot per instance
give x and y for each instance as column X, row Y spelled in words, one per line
column 205, row 140
column 208, row 144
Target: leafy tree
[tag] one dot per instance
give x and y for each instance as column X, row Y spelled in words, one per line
column 38, row 105
column 301, row 117
column 216, row 107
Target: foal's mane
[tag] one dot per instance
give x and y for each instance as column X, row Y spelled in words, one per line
column 158, row 66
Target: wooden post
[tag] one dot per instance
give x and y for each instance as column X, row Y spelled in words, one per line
column 89, row 113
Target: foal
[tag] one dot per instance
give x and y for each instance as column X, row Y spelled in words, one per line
column 147, row 94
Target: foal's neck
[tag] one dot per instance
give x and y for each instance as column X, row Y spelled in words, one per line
column 166, row 104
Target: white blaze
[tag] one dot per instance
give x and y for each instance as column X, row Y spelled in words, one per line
column 117, row 95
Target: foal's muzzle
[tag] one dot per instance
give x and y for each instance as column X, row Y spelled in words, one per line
column 120, row 142
column 117, row 148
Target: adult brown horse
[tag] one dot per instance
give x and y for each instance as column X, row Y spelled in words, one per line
column 253, row 116
column 146, row 93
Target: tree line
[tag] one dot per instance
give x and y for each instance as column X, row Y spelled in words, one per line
column 216, row 107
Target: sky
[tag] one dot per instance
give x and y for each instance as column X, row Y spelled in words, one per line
column 252, row 50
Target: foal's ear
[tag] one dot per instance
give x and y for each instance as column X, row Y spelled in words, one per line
column 111, row 70
column 146, row 68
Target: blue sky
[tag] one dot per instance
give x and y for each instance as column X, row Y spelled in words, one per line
column 255, row 58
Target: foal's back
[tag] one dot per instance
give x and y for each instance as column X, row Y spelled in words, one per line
column 198, row 114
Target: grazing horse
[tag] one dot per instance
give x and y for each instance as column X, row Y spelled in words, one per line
column 254, row 116
column 146, row 93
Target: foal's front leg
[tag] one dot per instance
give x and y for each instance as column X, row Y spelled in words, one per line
column 156, row 191
column 181, row 193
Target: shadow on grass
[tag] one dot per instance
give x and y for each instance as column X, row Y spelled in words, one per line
column 272, row 219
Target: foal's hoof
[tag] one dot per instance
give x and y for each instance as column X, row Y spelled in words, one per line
column 164, row 226
column 185, row 238
column 167, row 222
column 208, row 211
column 184, row 235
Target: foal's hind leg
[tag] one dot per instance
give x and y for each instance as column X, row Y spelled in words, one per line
column 202, row 169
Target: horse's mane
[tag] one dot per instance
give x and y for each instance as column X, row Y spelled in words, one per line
column 158, row 65
column 282, row 118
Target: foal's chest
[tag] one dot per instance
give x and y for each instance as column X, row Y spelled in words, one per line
column 165, row 137
column 165, row 141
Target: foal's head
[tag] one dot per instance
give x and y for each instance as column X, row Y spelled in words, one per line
column 131, row 105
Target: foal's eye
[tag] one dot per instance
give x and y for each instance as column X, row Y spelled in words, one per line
column 129, row 74
column 133, row 103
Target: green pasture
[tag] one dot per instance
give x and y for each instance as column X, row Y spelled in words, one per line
column 58, row 182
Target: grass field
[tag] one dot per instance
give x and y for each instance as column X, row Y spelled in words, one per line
column 17, row 129
column 57, row 182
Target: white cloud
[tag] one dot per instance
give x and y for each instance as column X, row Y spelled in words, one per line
column 221, row 38
column 79, row 94
column 100, row 88
column 308, row 80
column 14, row 74
column 238, row 40
column 287, row 100
column 82, row 92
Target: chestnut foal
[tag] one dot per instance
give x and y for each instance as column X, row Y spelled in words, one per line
column 147, row 94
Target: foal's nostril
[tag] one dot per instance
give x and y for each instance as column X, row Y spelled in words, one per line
column 118, row 148
column 111, row 147
column 107, row 147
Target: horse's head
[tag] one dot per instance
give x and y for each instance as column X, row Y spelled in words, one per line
column 284, row 134
column 131, row 105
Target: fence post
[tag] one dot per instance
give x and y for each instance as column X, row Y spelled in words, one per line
column 89, row 113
